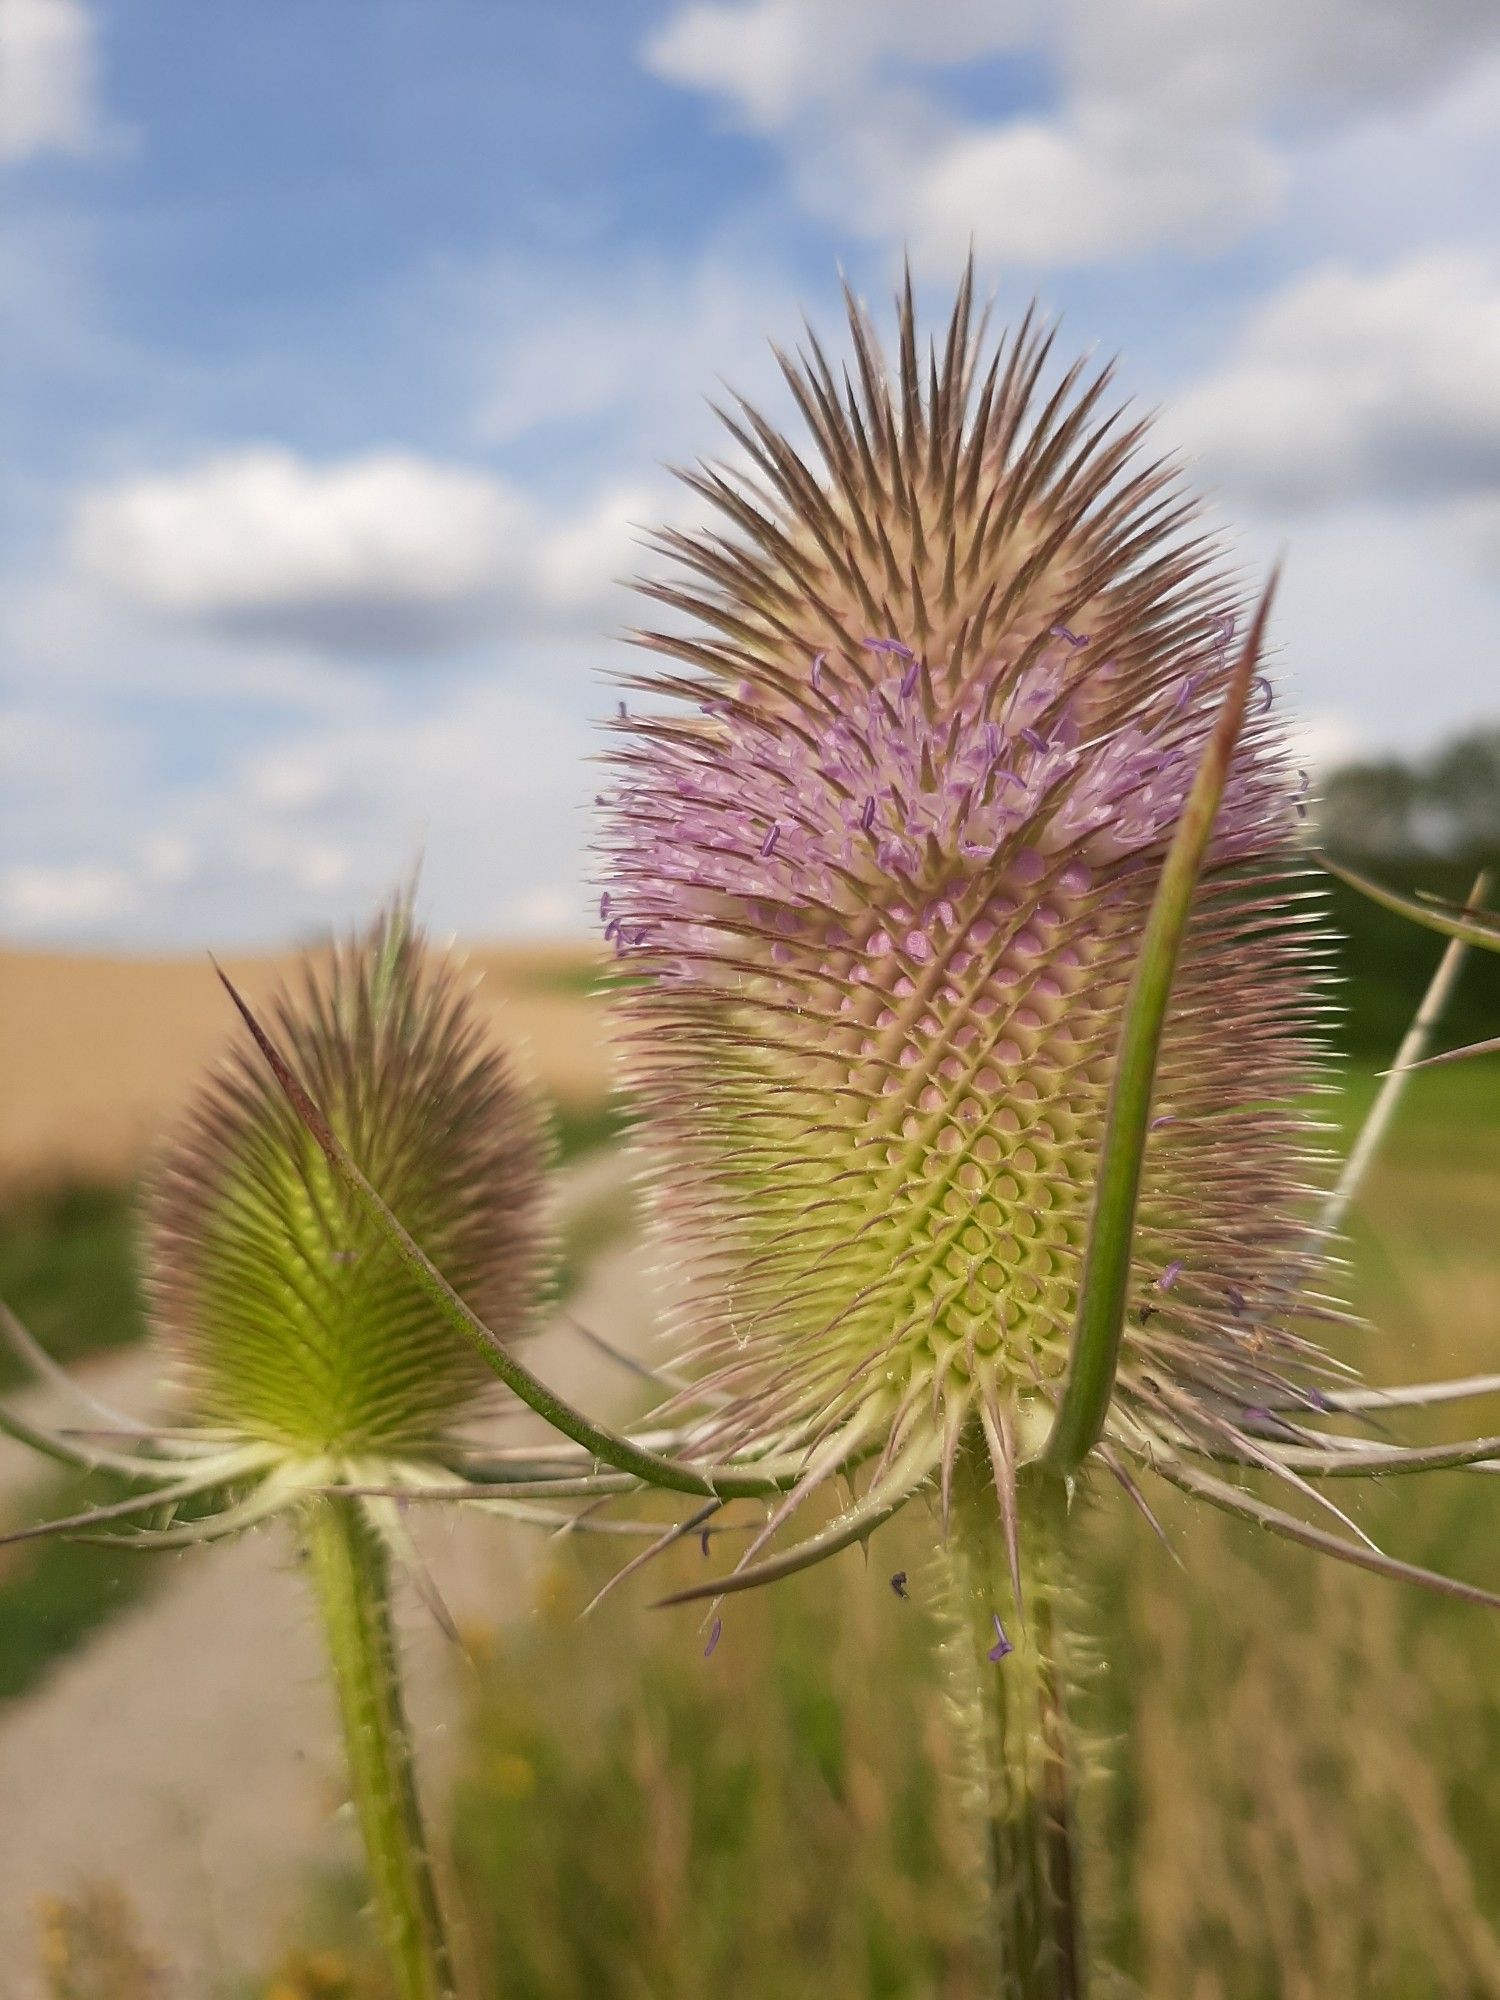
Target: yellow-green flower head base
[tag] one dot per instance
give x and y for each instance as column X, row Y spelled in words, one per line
column 292, row 1320
column 881, row 888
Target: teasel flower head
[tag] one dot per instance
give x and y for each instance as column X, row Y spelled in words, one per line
column 287, row 1316
column 305, row 1356
column 879, row 856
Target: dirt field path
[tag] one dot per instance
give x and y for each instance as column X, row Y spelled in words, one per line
column 189, row 1755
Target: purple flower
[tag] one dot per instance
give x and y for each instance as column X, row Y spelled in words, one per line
column 872, row 1049
column 1003, row 1647
column 715, row 1634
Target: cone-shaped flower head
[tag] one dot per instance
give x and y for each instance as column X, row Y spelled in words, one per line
column 292, row 1319
column 881, row 888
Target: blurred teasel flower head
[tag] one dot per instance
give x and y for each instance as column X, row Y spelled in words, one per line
column 879, row 857
column 305, row 1355
column 288, row 1315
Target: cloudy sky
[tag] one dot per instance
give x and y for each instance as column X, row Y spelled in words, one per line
column 342, row 342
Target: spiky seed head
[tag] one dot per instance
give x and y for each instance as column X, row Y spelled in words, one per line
column 882, row 887
column 291, row 1319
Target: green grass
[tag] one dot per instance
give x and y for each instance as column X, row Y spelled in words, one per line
column 583, row 1128
column 1454, row 1106
column 1386, row 962
column 68, row 1268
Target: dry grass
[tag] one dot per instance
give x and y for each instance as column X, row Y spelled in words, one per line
column 98, row 1051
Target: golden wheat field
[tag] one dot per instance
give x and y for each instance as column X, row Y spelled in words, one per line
column 97, row 1050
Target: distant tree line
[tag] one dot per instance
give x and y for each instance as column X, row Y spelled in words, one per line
column 1428, row 823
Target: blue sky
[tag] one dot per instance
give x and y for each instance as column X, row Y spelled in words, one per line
column 342, row 343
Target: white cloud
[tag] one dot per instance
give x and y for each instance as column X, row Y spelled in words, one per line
column 267, row 541
column 1174, row 120
column 1351, row 385
column 48, row 78
column 42, row 901
column 773, row 58
column 169, row 859
column 1218, row 59
column 259, row 528
column 1098, row 187
column 385, row 553
column 1388, row 631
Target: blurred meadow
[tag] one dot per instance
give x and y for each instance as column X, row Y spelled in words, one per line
column 1295, row 1797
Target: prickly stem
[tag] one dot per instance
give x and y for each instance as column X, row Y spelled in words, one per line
column 1008, row 1690
column 350, row 1576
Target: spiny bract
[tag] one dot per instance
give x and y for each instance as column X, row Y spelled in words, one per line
column 881, row 890
column 292, row 1318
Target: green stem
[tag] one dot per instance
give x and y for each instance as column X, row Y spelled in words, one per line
column 1104, row 1284
column 1016, row 1715
column 351, row 1575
